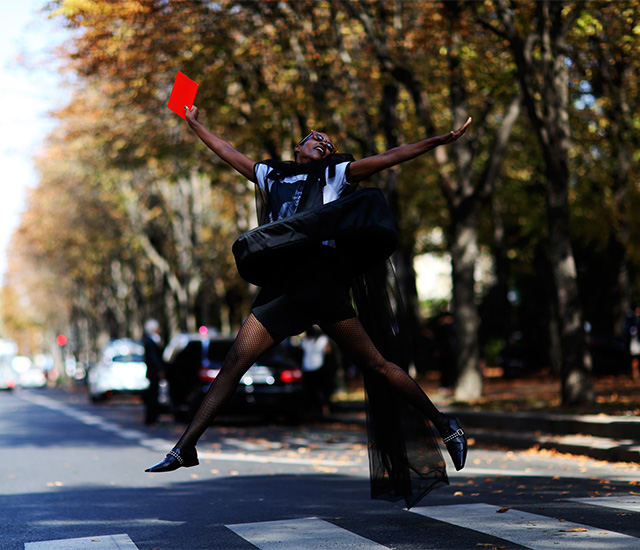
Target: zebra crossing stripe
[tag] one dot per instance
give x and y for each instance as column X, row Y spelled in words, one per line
column 107, row 542
column 629, row 503
column 307, row 533
column 528, row 530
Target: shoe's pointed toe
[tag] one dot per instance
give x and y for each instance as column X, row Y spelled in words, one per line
column 168, row 464
column 176, row 458
column 456, row 443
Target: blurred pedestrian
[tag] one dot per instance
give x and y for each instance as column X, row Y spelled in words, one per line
column 317, row 376
column 633, row 336
column 338, row 233
column 155, row 370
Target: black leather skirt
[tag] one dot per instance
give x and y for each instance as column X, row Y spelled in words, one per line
column 313, row 290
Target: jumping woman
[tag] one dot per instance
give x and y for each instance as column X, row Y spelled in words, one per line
column 332, row 234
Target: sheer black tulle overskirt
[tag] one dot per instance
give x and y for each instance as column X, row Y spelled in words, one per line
column 405, row 461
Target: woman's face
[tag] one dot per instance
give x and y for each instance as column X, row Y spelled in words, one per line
column 314, row 146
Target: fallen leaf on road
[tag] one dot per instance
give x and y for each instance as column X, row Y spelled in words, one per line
column 503, row 510
column 574, row 530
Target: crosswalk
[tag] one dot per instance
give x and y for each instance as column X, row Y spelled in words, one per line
column 106, row 542
column 302, row 533
column 532, row 531
column 529, row 530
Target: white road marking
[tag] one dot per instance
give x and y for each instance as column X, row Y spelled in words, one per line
column 307, row 533
column 630, row 503
column 107, row 542
column 529, row 530
column 268, row 459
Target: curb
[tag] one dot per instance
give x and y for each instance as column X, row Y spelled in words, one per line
column 602, row 437
column 610, row 438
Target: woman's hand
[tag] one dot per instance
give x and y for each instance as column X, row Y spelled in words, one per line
column 363, row 168
column 234, row 158
column 191, row 114
column 455, row 135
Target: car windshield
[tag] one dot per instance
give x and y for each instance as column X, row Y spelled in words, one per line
column 133, row 358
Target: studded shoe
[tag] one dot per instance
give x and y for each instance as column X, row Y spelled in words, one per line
column 456, row 443
column 176, row 458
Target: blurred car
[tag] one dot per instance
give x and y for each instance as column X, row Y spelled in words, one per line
column 271, row 386
column 28, row 374
column 8, row 376
column 121, row 369
column 33, row 377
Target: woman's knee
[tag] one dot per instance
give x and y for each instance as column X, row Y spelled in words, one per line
column 373, row 363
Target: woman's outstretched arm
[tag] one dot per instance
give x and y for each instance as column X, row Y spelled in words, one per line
column 234, row 158
column 363, row 168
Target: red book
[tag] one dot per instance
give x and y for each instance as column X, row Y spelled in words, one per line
column 183, row 93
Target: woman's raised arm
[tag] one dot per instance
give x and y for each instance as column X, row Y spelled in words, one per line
column 234, row 158
column 363, row 168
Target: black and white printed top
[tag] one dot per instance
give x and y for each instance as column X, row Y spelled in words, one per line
column 288, row 188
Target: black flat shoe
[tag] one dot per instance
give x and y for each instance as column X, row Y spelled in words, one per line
column 456, row 442
column 176, row 458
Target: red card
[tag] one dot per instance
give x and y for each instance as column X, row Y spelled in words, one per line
column 183, row 93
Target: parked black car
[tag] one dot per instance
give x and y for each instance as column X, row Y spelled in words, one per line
column 272, row 386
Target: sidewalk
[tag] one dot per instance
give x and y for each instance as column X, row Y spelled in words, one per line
column 603, row 437
column 526, row 413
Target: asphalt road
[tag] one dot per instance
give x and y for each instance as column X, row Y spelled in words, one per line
column 73, row 479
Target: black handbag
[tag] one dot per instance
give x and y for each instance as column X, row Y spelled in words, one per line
column 360, row 224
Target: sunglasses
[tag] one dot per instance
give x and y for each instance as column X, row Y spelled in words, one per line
column 317, row 137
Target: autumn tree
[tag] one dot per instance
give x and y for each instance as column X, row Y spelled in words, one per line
column 540, row 55
column 605, row 82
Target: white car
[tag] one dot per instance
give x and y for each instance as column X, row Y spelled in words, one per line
column 121, row 370
column 29, row 375
column 8, row 376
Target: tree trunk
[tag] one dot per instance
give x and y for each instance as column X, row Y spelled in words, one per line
column 464, row 252
column 548, row 109
column 577, row 383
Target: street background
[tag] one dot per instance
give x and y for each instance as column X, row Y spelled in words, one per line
column 518, row 264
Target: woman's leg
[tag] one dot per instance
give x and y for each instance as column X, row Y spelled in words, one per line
column 355, row 342
column 252, row 341
column 353, row 339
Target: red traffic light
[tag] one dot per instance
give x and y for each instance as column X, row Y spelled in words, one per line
column 61, row 339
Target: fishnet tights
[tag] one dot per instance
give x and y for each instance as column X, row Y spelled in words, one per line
column 355, row 342
column 252, row 341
